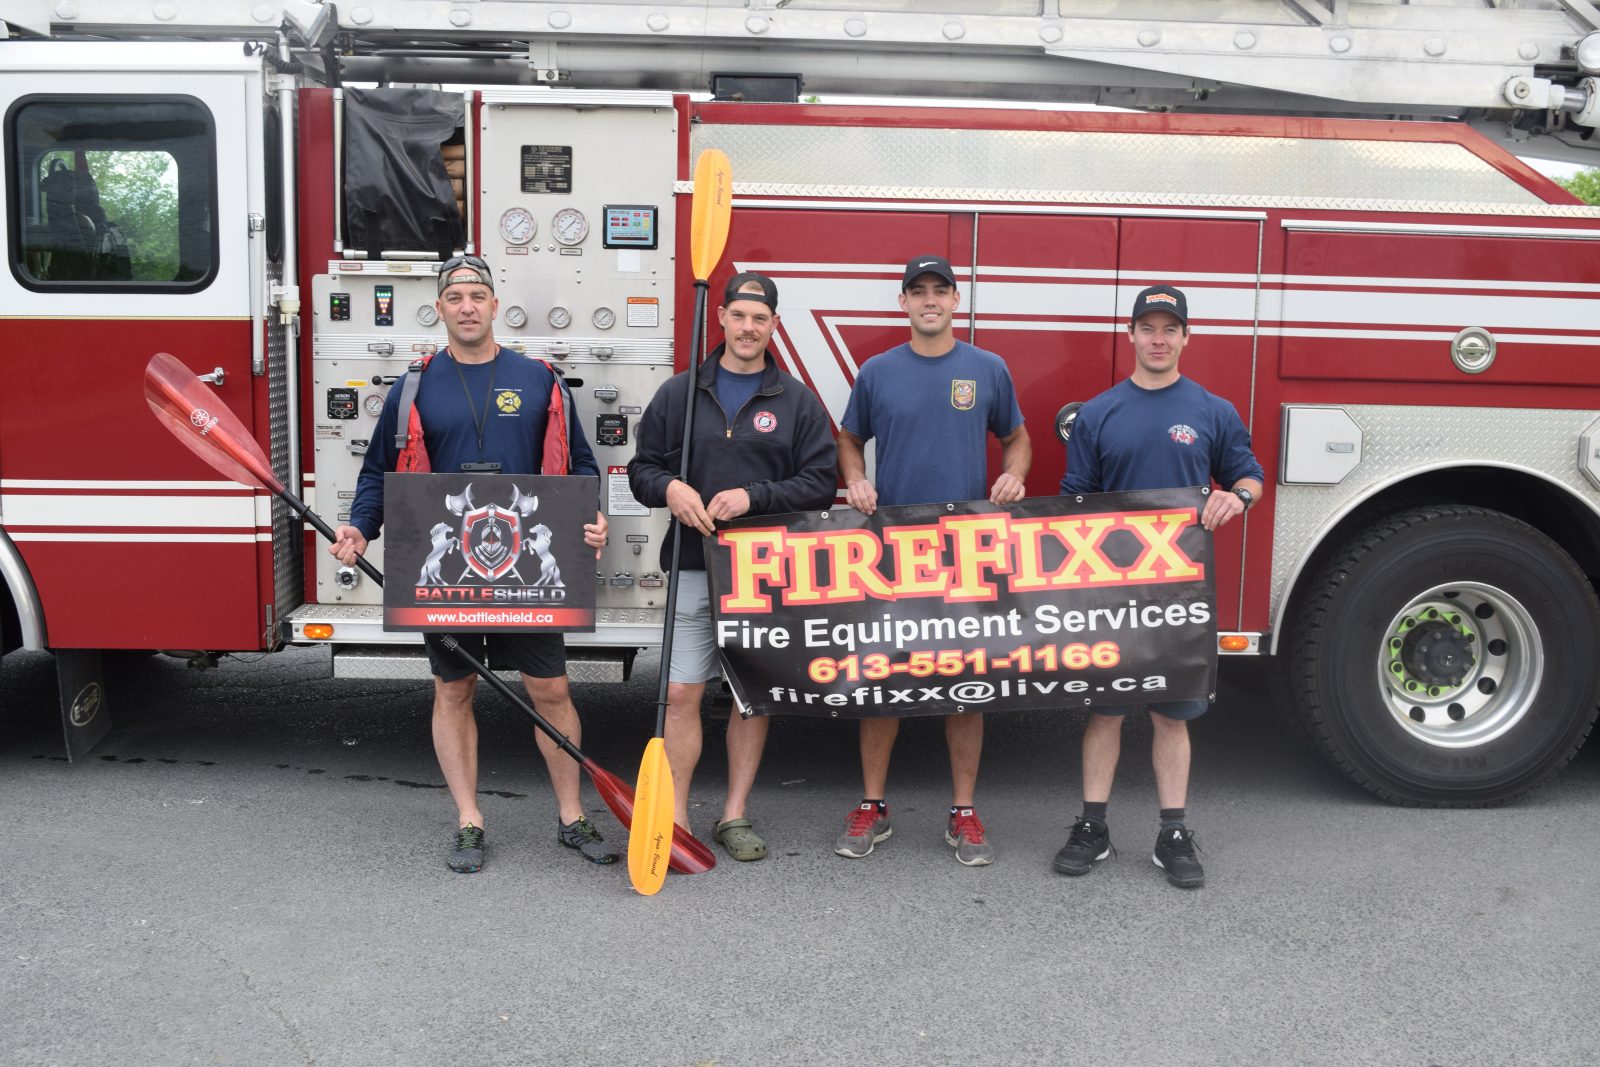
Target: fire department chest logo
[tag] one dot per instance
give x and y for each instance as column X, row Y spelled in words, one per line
column 509, row 401
column 963, row 394
column 765, row 421
column 1182, row 434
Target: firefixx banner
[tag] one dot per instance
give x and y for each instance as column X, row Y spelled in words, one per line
column 485, row 553
column 936, row 609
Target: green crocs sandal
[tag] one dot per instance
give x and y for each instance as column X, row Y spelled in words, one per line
column 740, row 839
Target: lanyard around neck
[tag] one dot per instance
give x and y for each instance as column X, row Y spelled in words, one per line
column 479, row 423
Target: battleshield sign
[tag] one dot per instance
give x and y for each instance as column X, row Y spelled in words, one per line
column 1098, row 601
column 488, row 553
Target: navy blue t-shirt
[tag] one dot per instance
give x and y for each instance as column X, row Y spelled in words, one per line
column 931, row 417
column 735, row 390
column 1134, row 438
column 513, row 430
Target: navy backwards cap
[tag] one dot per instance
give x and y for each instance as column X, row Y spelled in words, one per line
column 481, row 275
column 767, row 296
column 917, row 266
column 1161, row 298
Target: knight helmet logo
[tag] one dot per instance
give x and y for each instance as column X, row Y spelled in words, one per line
column 490, row 541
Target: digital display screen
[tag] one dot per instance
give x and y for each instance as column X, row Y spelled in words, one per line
column 630, row 226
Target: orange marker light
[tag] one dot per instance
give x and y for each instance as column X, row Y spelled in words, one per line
column 318, row 631
column 1226, row 642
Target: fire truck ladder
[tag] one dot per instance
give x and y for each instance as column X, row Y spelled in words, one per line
column 1522, row 71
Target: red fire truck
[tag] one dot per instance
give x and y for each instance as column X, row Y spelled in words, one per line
column 1403, row 313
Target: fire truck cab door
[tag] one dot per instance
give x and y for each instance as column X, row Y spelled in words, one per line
column 131, row 173
column 1216, row 262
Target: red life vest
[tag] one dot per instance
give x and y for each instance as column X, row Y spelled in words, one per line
column 557, row 454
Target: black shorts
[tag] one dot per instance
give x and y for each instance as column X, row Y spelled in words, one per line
column 537, row 655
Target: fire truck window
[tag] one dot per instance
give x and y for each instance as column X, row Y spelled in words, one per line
column 112, row 194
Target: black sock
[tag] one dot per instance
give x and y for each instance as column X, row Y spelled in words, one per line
column 1171, row 818
column 1095, row 812
column 869, row 800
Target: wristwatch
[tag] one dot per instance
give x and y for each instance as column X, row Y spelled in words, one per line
column 1245, row 495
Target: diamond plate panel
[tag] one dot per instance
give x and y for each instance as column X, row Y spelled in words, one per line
column 411, row 664
column 1099, row 167
column 288, row 580
column 1401, row 441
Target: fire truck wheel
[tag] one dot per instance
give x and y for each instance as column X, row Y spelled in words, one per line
column 1446, row 657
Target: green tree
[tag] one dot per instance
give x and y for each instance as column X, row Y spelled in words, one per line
column 1585, row 185
column 139, row 192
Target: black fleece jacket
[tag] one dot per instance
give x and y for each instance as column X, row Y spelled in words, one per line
column 778, row 447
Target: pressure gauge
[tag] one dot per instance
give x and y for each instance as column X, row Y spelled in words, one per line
column 560, row 317
column 569, row 226
column 604, row 318
column 518, row 226
column 516, row 316
column 427, row 314
column 373, row 404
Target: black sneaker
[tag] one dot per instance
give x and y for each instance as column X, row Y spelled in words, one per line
column 466, row 855
column 1088, row 844
column 581, row 835
column 1175, row 854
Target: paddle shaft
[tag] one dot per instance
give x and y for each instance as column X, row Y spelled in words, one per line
column 696, row 338
column 448, row 641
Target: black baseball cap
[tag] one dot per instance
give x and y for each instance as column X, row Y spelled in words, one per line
column 767, row 296
column 917, row 266
column 1161, row 298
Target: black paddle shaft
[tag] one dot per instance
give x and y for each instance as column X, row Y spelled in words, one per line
column 696, row 338
column 447, row 641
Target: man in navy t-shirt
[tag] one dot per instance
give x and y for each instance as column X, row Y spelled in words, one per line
column 482, row 407
column 931, row 405
column 1154, row 430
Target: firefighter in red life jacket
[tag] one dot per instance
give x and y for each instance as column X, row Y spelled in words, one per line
column 485, row 408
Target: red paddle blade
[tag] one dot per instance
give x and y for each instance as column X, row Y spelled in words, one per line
column 689, row 854
column 198, row 417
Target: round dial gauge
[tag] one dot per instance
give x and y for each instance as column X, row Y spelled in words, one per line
column 560, row 317
column 427, row 314
column 569, row 226
column 516, row 316
column 604, row 318
column 373, row 404
column 518, row 226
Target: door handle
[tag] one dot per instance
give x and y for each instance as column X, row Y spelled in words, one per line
column 216, row 377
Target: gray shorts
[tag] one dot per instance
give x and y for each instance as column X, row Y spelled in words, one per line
column 1172, row 709
column 694, row 644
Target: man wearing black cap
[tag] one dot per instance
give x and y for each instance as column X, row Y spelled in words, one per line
column 931, row 405
column 1154, row 430
column 477, row 406
column 762, row 445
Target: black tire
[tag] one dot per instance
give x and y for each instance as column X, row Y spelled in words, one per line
column 1502, row 677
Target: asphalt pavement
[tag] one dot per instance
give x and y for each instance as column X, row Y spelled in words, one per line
column 250, row 870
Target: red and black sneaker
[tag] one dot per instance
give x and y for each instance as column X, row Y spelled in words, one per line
column 866, row 825
column 965, row 835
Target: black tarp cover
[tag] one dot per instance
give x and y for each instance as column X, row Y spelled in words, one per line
column 397, row 195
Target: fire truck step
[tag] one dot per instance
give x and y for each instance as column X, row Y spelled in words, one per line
column 410, row 662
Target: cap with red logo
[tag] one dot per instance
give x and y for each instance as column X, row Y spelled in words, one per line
column 1161, row 298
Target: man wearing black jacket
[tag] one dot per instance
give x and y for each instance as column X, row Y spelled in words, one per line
column 763, row 444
